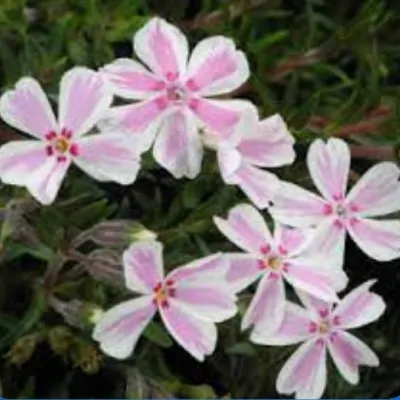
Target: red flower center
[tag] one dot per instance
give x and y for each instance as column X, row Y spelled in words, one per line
column 162, row 292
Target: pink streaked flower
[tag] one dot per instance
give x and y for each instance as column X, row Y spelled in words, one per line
column 173, row 90
column 41, row 165
column 190, row 300
column 257, row 144
column 273, row 260
column 323, row 328
column 376, row 194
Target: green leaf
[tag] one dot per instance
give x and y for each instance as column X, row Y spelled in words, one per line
column 156, row 333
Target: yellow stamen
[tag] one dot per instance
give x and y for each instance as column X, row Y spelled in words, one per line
column 61, row 145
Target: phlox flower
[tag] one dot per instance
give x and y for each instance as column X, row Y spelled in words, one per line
column 255, row 144
column 40, row 165
column 173, row 92
column 323, row 328
column 377, row 193
column 273, row 259
column 190, row 300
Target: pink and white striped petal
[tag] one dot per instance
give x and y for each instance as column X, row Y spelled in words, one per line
column 329, row 165
column 213, row 301
column 294, row 328
column 84, row 99
column 140, row 120
column 216, row 67
column 219, row 116
column 197, row 336
column 143, row 266
column 108, row 157
column 229, row 161
column 212, row 268
column 130, row 80
column 295, row 206
column 163, row 48
column 313, row 280
column 270, row 144
column 45, row 182
column 291, row 240
column 246, row 228
column 267, row 308
column 119, row 328
column 258, row 185
column 178, row 147
column 315, row 306
column 305, row 372
column 26, row 108
column 243, row 270
column 349, row 353
column 360, row 307
column 19, row 159
column 379, row 239
column 378, row 191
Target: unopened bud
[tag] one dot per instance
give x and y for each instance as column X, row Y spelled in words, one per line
column 94, row 314
column 60, row 340
column 23, row 349
column 141, row 233
column 112, row 233
column 72, row 311
column 105, row 265
column 87, row 358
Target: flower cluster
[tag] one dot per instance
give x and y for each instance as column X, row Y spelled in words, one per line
column 173, row 110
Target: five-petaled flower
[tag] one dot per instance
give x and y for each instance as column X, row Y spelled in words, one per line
column 273, row 260
column 173, row 93
column 257, row 144
column 40, row 165
column 322, row 326
column 377, row 193
column 190, row 299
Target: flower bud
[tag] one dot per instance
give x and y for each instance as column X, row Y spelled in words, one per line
column 105, row 265
column 23, row 349
column 60, row 339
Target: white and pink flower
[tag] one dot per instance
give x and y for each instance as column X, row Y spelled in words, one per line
column 190, row 300
column 173, row 90
column 376, row 194
column 40, row 165
column 273, row 260
column 323, row 328
column 257, row 144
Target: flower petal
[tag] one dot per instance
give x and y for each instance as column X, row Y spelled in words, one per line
column 292, row 240
column 378, row 239
column 246, row 228
column 329, row 239
column 311, row 279
column 348, row 353
column 211, row 268
column 229, row 161
column 294, row 328
column 378, row 191
column 329, row 165
column 84, row 99
column 305, row 372
column 108, row 157
column 197, row 336
column 267, row 308
column 270, row 144
column 213, row 301
column 45, row 181
column 216, row 67
column 143, row 266
column 19, row 159
column 130, row 80
column 219, row 116
column 119, row 328
column 314, row 305
column 295, row 206
column 162, row 47
column 360, row 307
column 27, row 109
column 141, row 121
column 243, row 270
column 259, row 186
column 178, row 147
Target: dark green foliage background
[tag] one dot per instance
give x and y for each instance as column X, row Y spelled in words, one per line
column 331, row 68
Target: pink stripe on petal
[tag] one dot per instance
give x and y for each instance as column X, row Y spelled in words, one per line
column 220, row 119
column 378, row 239
column 84, row 99
column 197, row 336
column 27, row 108
column 243, row 270
column 143, row 266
